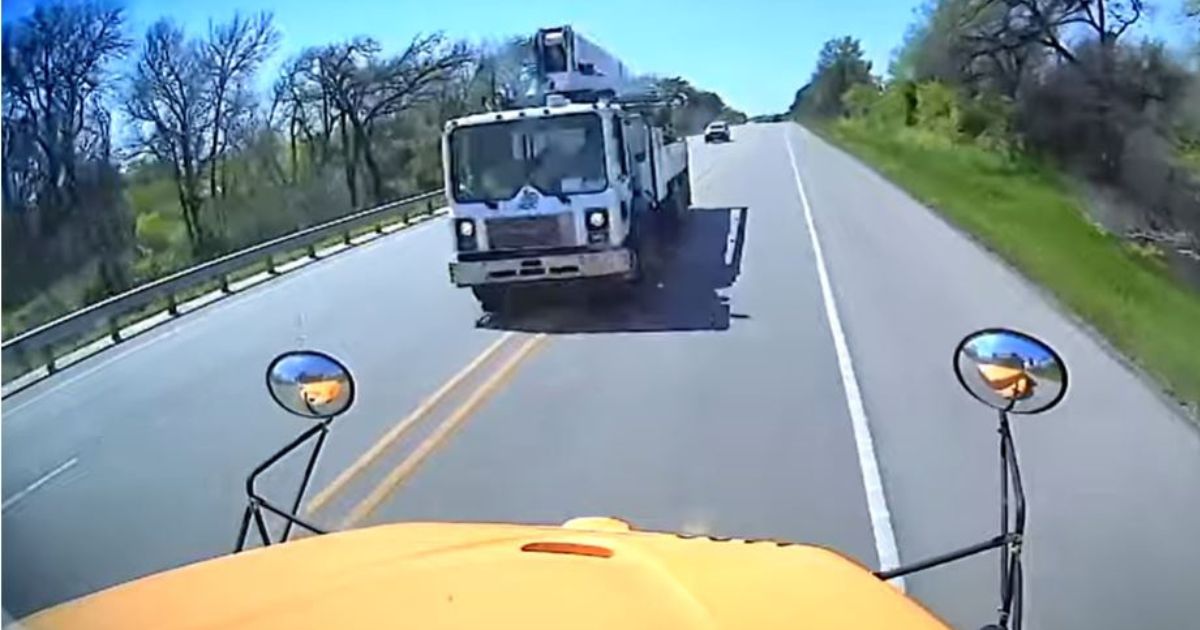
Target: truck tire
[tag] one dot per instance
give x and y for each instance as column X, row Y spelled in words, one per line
column 492, row 299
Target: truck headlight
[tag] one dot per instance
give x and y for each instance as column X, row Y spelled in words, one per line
column 464, row 230
column 597, row 218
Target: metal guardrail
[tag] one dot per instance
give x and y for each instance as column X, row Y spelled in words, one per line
column 44, row 345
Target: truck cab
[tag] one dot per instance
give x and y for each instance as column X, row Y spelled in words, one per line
column 557, row 192
column 553, row 193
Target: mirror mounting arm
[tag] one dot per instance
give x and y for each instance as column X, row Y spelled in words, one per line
column 1011, row 570
column 1009, row 541
column 257, row 502
column 946, row 558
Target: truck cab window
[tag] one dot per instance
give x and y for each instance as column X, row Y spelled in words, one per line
column 557, row 155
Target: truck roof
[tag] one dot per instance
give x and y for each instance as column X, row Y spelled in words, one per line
column 530, row 112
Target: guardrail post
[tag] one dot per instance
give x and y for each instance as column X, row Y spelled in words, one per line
column 379, row 228
column 312, row 250
column 172, row 305
column 225, row 284
column 429, row 207
column 48, row 354
column 346, row 237
column 114, row 329
column 271, row 266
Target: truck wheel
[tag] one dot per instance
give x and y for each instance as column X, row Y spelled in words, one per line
column 492, row 299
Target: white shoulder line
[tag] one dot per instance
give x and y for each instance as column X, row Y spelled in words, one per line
column 881, row 517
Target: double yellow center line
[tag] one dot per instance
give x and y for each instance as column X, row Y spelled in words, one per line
column 398, row 475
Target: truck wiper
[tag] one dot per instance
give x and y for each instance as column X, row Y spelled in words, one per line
column 563, row 198
column 492, row 205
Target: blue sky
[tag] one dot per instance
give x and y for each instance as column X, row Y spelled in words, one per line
column 755, row 53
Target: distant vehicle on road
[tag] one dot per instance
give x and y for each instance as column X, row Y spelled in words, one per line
column 717, row 130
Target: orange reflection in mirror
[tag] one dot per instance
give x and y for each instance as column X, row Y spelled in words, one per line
column 1009, row 382
column 320, row 392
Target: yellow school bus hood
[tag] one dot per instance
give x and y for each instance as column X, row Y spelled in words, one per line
column 435, row 575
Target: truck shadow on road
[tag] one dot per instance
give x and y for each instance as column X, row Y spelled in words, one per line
column 685, row 265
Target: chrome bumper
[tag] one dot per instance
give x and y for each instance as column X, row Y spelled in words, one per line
column 535, row 268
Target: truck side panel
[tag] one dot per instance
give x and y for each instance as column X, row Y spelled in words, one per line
column 671, row 163
column 642, row 159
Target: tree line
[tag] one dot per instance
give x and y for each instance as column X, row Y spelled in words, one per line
column 1066, row 80
column 199, row 161
column 126, row 157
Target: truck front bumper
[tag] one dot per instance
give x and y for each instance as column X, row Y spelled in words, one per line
column 542, row 268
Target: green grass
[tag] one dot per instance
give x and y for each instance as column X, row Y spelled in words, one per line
column 1025, row 212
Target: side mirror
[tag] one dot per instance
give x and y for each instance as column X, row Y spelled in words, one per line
column 310, row 384
column 1013, row 373
column 1010, row 371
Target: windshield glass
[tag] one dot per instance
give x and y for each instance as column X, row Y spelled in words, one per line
column 559, row 285
column 562, row 155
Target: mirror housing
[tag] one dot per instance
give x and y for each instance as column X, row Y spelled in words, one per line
column 310, row 384
column 1010, row 371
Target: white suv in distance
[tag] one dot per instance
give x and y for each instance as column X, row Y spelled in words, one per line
column 717, row 130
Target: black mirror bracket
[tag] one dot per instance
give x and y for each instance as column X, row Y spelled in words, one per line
column 256, row 503
column 1010, row 540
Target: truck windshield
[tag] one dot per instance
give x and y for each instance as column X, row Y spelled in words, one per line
column 561, row 155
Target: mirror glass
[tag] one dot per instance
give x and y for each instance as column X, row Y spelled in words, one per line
column 1011, row 371
column 310, row 384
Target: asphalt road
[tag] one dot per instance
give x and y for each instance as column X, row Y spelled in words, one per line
column 711, row 400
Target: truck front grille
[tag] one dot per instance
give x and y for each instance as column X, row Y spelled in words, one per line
column 554, row 230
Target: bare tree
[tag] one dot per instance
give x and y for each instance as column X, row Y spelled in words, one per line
column 62, row 197
column 1048, row 24
column 23, row 170
column 232, row 55
column 366, row 89
column 337, row 70
column 288, row 110
column 462, row 91
column 300, row 100
column 55, row 66
column 168, row 100
column 506, row 71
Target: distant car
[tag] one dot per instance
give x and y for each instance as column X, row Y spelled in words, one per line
column 717, row 130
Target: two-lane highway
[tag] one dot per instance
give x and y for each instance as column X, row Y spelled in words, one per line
column 749, row 387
